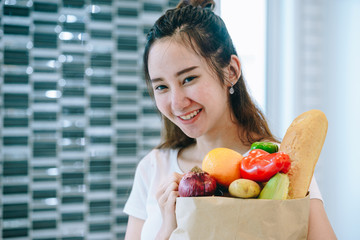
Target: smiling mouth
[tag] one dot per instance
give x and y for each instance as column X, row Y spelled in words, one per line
column 190, row 115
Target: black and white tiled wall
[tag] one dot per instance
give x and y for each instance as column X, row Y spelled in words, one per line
column 75, row 115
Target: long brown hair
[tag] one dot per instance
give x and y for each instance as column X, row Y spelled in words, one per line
column 206, row 33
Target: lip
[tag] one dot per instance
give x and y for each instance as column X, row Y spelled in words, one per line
column 191, row 120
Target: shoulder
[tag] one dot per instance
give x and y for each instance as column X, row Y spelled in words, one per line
column 158, row 158
column 155, row 166
column 150, row 167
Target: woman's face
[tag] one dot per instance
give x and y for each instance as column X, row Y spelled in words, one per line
column 186, row 91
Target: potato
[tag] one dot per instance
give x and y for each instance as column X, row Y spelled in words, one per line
column 244, row 188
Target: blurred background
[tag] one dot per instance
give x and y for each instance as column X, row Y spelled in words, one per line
column 76, row 117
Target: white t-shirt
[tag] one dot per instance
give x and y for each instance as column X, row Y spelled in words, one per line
column 152, row 170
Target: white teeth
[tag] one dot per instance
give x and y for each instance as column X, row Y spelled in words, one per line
column 190, row 115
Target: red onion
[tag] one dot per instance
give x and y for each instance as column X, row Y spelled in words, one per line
column 197, row 183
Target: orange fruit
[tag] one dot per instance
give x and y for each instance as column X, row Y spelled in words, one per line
column 223, row 164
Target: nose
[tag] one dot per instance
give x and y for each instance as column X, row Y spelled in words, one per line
column 179, row 100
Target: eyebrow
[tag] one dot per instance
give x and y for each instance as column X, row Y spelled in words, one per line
column 185, row 70
column 177, row 74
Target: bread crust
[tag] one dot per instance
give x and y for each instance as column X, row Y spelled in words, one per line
column 303, row 142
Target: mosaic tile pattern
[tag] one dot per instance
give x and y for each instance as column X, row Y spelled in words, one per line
column 75, row 115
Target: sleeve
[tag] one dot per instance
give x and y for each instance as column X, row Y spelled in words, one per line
column 314, row 190
column 136, row 203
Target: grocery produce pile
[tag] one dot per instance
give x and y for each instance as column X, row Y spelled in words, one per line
column 261, row 174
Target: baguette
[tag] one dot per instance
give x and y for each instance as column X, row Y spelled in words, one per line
column 303, row 142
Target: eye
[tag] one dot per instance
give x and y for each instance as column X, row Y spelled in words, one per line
column 189, row 79
column 160, row 87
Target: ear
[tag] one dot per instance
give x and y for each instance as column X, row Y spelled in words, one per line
column 234, row 69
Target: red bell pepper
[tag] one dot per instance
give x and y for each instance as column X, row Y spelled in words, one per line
column 260, row 165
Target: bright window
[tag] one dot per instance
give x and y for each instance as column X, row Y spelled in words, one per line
column 246, row 23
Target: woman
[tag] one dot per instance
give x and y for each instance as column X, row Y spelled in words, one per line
column 194, row 74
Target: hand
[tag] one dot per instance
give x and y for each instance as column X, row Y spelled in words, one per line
column 166, row 197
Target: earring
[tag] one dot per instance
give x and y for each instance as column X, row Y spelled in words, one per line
column 231, row 90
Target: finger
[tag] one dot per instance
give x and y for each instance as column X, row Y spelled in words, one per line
column 173, row 186
column 163, row 198
column 162, row 188
column 171, row 201
column 159, row 193
column 168, row 199
column 175, row 177
column 173, row 195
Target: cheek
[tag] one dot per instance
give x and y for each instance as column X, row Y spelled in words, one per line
column 161, row 103
column 213, row 93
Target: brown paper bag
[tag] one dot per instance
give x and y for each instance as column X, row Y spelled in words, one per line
column 222, row 218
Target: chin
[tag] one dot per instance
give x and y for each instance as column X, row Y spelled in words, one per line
column 192, row 134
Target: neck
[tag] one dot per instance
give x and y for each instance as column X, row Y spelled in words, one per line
column 228, row 135
column 231, row 138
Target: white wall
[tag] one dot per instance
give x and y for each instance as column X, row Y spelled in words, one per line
column 341, row 163
column 314, row 62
